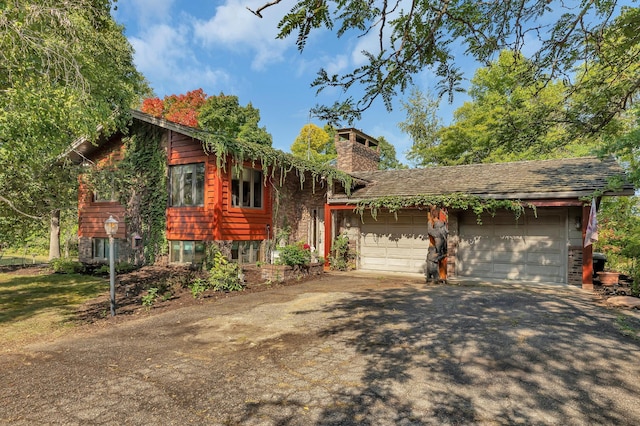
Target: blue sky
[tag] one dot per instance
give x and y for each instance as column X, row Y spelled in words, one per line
column 219, row 46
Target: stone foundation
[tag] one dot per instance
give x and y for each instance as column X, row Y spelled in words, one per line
column 256, row 275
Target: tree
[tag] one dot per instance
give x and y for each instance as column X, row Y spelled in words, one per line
column 512, row 115
column 423, row 126
column 388, row 158
column 66, row 70
column 220, row 114
column 421, row 35
column 314, row 144
column 182, row 109
column 223, row 115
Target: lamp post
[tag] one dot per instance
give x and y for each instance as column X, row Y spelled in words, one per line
column 111, row 226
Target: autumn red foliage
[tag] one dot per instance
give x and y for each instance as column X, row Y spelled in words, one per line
column 182, row 109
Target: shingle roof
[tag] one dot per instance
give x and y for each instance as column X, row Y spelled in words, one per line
column 564, row 178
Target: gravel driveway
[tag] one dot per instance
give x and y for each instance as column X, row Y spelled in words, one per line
column 342, row 350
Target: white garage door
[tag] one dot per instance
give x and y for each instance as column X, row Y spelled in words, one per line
column 534, row 249
column 391, row 245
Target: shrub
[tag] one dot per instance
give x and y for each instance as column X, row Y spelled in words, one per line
column 198, row 286
column 223, row 276
column 341, row 257
column 66, row 266
column 295, row 255
column 150, row 297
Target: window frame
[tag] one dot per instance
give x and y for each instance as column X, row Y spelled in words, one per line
column 197, row 256
column 101, row 245
column 246, row 252
column 181, row 172
column 251, row 182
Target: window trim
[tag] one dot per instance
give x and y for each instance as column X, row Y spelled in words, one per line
column 195, row 196
column 236, row 201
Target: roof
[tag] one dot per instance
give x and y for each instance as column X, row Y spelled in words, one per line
column 564, row 178
column 82, row 148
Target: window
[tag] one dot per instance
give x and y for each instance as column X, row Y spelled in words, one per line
column 246, row 188
column 100, row 248
column 187, row 185
column 245, row 251
column 106, row 192
column 186, row 251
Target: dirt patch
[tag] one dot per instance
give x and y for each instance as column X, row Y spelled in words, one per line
column 172, row 282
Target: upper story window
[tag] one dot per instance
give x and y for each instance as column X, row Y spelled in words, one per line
column 104, row 190
column 246, row 188
column 187, row 185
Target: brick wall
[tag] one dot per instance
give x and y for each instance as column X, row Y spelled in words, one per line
column 575, row 266
column 356, row 157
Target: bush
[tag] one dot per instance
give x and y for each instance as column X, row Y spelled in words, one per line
column 223, row 276
column 66, row 266
column 295, row 255
column 341, row 257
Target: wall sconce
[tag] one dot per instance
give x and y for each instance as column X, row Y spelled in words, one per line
column 347, row 222
column 578, row 222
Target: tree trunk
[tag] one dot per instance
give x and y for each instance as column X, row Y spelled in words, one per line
column 54, row 235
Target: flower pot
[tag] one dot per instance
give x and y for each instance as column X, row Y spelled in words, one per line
column 608, row 278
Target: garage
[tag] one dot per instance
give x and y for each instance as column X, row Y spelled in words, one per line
column 390, row 245
column 532, row 249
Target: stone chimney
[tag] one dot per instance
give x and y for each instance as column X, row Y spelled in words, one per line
column 356, row 151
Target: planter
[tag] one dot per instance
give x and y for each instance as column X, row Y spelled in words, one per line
column 608, row 278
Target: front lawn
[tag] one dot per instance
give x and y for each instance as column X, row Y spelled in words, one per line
column 35, row 306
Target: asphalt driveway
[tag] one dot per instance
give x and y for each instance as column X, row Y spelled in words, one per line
column 342, row 350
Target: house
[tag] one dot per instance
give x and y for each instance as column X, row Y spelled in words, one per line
column 202, row 190
column 243, row 198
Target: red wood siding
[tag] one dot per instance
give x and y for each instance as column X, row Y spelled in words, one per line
column 193, row 223
column 92, row 215
column 244, row 224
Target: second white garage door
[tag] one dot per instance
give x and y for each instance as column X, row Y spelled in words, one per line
column 534, row 249
column 391, row 245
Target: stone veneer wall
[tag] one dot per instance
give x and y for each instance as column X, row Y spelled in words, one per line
column 85, row 251
column 295, row 204
column 575, row 266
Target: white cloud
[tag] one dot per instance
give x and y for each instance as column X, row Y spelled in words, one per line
column 163, row 54
column 235, row 28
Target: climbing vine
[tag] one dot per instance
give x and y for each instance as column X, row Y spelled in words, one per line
column 458, row 201
column 140, row 182
column 271, row 159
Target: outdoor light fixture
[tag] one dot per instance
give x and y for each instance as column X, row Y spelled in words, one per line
column 578, row 223
column 111, row 227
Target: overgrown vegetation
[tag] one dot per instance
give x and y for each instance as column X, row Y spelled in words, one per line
column 140, row 180
column 342, row 258
column 454, row 201
column 221, row 274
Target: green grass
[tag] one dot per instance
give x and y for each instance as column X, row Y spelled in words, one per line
column 33, row 307
column 16, row 258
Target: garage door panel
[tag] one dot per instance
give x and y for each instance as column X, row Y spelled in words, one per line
column 508, row 270
column 509, row 230
column 534, row 250
column 543, row 259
